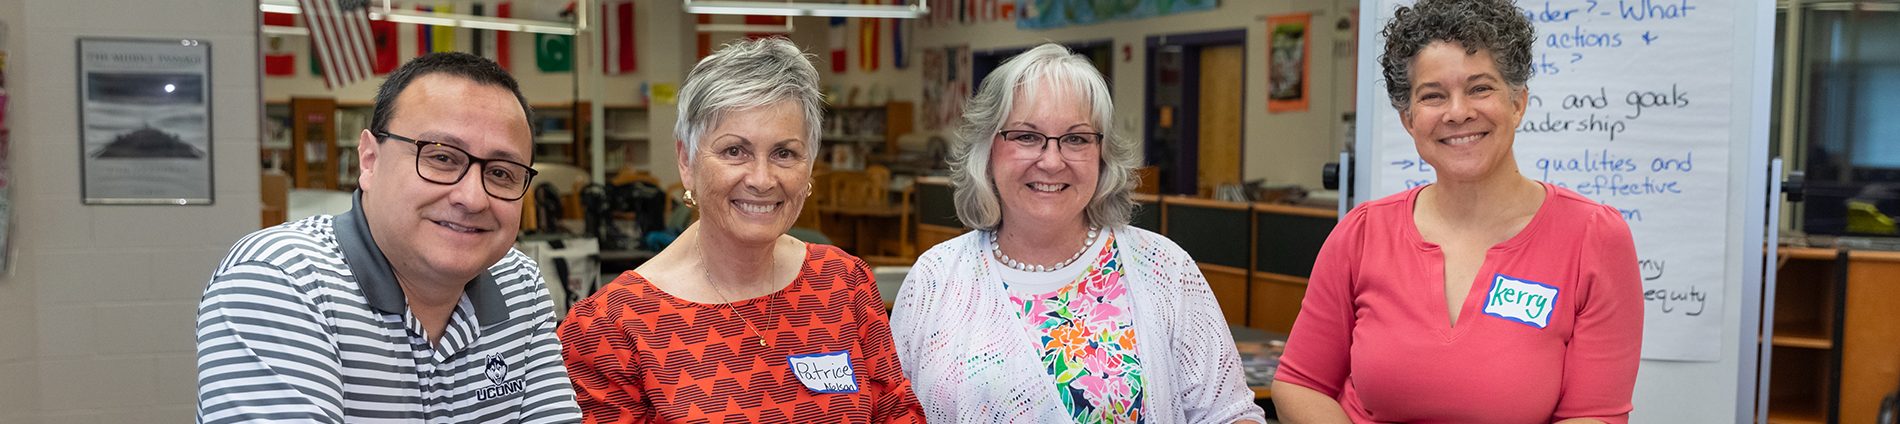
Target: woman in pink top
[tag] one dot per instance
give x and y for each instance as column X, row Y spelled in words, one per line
column 1486, row 296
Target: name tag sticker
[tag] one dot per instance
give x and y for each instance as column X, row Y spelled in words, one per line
column 828, row 372
column 1524, row 301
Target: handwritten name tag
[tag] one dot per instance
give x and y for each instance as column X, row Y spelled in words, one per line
column 828, row 372
column 1524, row 301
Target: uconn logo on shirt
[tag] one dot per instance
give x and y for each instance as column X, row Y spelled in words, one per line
column 498, row 375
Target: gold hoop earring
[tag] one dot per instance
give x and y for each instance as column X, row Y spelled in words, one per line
column 688, row 199
column 809, row 188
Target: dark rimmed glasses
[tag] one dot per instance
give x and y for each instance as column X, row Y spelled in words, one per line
column 444, row 164
column 1072, row 146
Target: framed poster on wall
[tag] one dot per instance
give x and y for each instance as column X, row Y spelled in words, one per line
column 145, row 121
column 1287, row 62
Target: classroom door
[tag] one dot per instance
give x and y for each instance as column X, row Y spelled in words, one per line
column 1219, row 118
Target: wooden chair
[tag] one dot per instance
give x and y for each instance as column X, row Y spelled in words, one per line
column 902, row 250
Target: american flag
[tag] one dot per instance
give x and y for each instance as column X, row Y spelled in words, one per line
column 340, row 31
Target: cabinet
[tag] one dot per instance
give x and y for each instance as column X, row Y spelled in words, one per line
column 853, row 133
column 313, row 143
column 1836, row 347
column 627, row 139
column 560, row 133
column 321, row 141
column 273, row 152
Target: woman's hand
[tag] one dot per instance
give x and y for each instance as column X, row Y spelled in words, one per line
column 1300, row 405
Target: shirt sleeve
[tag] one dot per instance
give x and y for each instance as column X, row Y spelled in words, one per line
column 1606, row 345
column 599, row 360
column 1213, row 388
column 1318, row 351
column 264, row 353
column 891, row 395
column 550, row 396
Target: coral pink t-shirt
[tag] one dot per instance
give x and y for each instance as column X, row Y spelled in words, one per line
column 1551, row 329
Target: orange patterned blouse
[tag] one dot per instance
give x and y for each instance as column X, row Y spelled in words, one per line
column 637, row 354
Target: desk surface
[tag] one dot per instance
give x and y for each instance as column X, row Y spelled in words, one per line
column 1259, row 357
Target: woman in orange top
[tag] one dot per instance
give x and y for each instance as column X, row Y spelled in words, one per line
column 736, row 321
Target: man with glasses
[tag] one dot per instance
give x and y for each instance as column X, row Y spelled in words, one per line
column 413, row 306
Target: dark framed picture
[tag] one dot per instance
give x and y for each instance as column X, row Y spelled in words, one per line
column 145, row 121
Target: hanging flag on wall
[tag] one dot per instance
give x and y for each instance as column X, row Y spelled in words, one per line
column 424, row 33
column 705, row 40
column 316, row 66
column 388, row 46
column 494, row 45
column 838, row 61
column 900, row 41
column 443, row 39
column 279, row 61
column 616, row 38
column 342, row 39
column 555, row 53
column 778, row 21
column 868, row 29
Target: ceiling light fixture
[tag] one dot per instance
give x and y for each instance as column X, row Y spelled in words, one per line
column 917, row 9
column 386, row 13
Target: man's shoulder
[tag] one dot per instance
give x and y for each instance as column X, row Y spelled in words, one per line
column 287, row 243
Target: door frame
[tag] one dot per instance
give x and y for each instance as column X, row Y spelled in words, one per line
column 1187, row 156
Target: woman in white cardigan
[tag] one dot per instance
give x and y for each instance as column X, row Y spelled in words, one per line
column 1056, row 310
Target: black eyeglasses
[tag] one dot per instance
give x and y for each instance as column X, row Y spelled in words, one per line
column 1071, row 146
column 444, row 164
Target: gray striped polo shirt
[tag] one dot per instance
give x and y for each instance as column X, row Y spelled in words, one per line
column 305, row 322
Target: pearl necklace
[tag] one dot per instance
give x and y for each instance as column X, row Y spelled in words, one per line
column 1012, row 263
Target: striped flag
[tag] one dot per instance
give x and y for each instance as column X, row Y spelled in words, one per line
column 868, row 30
column 340, row 31
column 705, row 40
column 616, row 38
column 838, row 61
column 900, row 46
column 489, row 43
column 444, row 37
column 423, row 33
column 757, row 20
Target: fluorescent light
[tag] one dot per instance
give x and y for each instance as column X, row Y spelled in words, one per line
column 498, row 26
column 727, row 7
column 744, row 10
column 410, row 17
column 867, row 12
column 418, row 19
column 546, row 29
column 284, row 30
column 773, row 29
column 278, row 8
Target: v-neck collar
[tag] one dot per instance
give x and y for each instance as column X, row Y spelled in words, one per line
column 1442, row 325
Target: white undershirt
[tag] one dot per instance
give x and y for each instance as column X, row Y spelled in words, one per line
column 1048, row 281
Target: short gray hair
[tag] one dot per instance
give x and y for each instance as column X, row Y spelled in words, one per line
column 1496, row 26
column 978, row 204
column 744, row 75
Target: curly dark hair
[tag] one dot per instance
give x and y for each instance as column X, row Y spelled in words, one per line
column 1496, row 26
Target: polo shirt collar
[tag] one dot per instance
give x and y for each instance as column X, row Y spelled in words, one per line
column 378, row 279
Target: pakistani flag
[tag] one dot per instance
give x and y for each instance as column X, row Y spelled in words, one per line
column 554, row 53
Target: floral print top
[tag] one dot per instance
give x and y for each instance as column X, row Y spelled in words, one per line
column 1086, row 334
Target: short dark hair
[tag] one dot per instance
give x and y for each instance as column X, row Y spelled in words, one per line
column 471, row 67
column 1496, row 26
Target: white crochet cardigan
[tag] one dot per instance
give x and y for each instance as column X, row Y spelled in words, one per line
column 971, row 359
